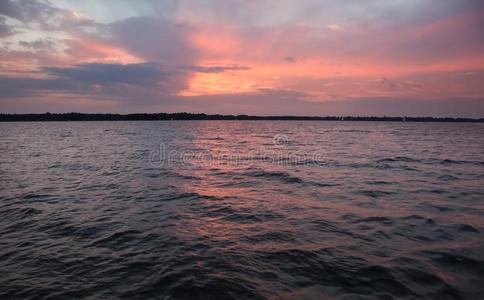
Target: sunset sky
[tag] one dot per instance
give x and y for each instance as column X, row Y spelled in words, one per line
column 305, row 57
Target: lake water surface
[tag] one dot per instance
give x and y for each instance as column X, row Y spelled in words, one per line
column 242, row 210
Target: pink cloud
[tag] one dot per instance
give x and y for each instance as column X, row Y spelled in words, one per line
column 235, row 55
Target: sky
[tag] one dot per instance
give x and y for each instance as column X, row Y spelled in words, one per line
column 259, row 57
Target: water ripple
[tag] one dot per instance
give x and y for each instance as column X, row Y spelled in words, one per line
column 382, row 211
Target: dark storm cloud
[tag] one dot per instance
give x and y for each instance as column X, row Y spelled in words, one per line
column 137, row 74
column 110, row 80
column 26, row 87
column 132, row 84
column 121, row 81
column 143, row 73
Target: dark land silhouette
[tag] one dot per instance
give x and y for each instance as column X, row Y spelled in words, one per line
column 201, row 116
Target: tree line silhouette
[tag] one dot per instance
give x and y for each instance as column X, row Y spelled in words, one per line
column 201, row 116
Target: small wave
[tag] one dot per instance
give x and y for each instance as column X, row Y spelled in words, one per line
column 30, row 196
column 189, row 196
column 321, row 184
column 238, row 184
column 117, row 240
column 413, row 271
column 413, row 217
column 216, row 211
column 351, row 274
column 430, row 161
column 439, row 191
column 457, row 261
column 195, row 282
column 379, row 182
column 467, row 228
column 460, row 162
column 212, row 139
column 19, row 213
column 252, row 217
column 440, row 208
column 375, row 193
column 331, row 227
column 281, row 176
column 375, row 219
column 387, row 166
column 171, row 174
column 447, row 177
column 285, row 177
column 273, row 236
column 398, row 159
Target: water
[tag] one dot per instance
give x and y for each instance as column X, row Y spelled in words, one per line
column 246, row 210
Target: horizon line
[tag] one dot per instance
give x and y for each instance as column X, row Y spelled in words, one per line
column 177, row 116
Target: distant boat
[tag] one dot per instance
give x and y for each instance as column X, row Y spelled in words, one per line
column 404, row 119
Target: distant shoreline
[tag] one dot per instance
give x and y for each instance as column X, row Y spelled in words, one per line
column 49, row 117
